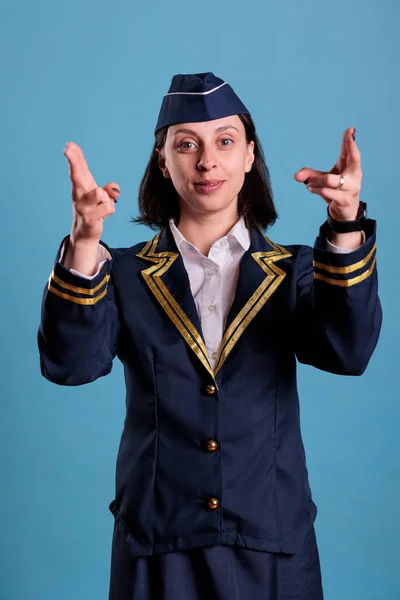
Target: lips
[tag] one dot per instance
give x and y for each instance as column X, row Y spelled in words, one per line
column 208, row 182
column 208, row 186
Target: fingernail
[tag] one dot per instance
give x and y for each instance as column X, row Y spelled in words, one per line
column 354, row 134
column 115, row 190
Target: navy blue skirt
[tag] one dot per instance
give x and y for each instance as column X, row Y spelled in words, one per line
column 219, row 572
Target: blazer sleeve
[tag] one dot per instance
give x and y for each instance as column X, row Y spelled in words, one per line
column 79, row 326
column 338, row 313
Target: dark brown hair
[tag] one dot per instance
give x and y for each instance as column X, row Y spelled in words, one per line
column 158, row 201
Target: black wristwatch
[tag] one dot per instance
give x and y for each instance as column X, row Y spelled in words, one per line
column 349, row 226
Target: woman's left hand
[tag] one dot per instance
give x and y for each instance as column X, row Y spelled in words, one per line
column 343, row 202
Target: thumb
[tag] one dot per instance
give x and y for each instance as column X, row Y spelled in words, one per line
column 305, row 173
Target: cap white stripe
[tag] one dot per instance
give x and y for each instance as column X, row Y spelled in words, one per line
column 197, row 93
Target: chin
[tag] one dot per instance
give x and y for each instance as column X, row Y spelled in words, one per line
column 213, row 205
column 207, row 203
column 220, row 200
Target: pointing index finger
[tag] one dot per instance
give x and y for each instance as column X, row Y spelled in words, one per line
column 80, row 175
column 343, row 160
column 354, row 155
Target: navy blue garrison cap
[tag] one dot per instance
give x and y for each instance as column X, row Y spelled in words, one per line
column 198, row 97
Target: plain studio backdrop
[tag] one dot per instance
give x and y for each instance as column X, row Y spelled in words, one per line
column 94, row 72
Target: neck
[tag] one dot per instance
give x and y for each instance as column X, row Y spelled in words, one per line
column 203, row 230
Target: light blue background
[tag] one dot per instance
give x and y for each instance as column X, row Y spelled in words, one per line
column 94, row 72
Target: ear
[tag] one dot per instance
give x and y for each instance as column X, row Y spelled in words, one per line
column 249, row 156
column 161, row 163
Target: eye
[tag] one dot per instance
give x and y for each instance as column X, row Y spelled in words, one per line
column 226, row 142
column 186, row 145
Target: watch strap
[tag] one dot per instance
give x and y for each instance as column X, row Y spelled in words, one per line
column 349, row 226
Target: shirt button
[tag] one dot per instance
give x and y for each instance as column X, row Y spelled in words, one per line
column 212, row 307
column 210, row 389
column 212, row 445
column 223, row 243
column 213, row 503
column 214, row 355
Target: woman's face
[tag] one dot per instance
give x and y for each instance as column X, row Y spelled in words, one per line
column 207, row 163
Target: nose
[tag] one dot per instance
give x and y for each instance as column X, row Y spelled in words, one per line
column 207, row 159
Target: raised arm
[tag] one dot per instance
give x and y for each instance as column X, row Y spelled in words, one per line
column 338, row 315
column 79, row 328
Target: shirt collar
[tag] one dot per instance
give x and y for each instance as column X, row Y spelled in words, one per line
column 239, row 232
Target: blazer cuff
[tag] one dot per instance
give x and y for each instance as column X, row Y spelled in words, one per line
column 345, row 270
column 76, row 288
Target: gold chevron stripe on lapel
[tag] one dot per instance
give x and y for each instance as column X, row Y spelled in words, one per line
column 152, row 276
column 274, row 277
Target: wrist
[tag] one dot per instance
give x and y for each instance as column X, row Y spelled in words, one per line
column 81, row 256
column 79, row 241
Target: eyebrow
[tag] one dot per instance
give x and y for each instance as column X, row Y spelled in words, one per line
column 191, row 132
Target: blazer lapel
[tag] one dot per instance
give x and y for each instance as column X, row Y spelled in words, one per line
column 166, row 277
column 168, row 280
column 259, row 278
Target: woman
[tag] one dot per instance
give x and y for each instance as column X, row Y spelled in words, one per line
column 212, row 495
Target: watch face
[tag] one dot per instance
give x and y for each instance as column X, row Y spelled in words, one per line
column 362, row 212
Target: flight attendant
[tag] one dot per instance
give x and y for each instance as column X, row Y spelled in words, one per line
column 208, row 317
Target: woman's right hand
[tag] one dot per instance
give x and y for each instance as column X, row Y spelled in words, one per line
column 91, row 205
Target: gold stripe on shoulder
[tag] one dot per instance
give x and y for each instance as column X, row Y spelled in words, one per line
column 74, row 299
column 347, row 282
column 79, row 290
column 345, row 270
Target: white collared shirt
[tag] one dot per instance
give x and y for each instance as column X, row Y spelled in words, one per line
column 213, row 278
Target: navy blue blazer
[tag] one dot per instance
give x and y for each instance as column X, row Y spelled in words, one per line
column 212, row 457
